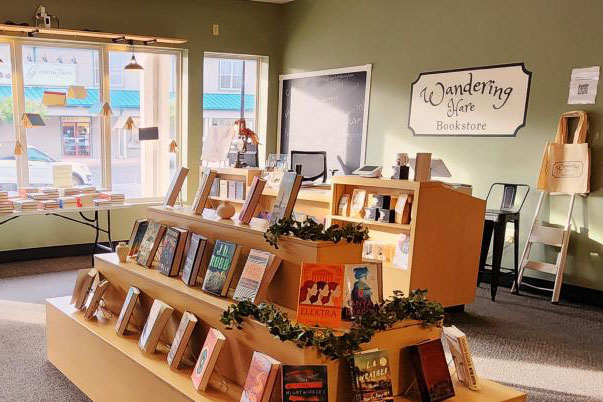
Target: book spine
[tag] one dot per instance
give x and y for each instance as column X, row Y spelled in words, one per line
column 471, row 376
column 353, row 381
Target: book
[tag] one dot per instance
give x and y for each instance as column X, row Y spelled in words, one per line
column 194, row 255
column 286, row 197
column 83, row 284
column 174, row 242
column 158, row 316
column 463, row 362
column 126, row 310
column 371, row 376
column 258, row 272
column 97, row 295
column 305, row 383
column 261, row 377
column 320, row 295
column 357, row 205
column 232, row 190
column 363, row 288
column 431, row 370
column 223, row 189
column 175, row 187
column 343, row 208
column 401, row 251
column 150, row 243
column 252, row 200
column 207, row 359
column 239, row 190
column 138, row 231
column 180, row 342
column 215, row 188
column 221, row 267
column 403, row 206
column 207, row 179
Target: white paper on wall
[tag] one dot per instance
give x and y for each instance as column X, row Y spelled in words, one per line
column 583, row 86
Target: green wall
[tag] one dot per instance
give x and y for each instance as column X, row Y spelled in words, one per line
column 402, row 38
column 245, row 27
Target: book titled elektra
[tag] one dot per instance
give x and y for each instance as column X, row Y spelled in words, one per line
column 221, row 267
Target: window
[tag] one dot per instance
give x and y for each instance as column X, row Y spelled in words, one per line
column 231, row 74
column 8, row 165
column 116, row 69
column 76, row 136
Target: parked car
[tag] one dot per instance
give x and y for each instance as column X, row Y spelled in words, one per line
column 40, row 168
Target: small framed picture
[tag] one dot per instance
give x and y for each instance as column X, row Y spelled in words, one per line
column 357, row 206
column 344, row 205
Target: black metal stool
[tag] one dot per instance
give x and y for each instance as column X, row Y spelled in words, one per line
column 496, row 223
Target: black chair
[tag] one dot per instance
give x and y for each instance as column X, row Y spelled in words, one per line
column 496, row 223
column 313, row 164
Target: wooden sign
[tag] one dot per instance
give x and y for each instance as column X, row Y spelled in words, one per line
column 479, row 101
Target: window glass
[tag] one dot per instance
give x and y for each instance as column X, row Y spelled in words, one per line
column 8, row 167
column 143, row 169
column 72, row 132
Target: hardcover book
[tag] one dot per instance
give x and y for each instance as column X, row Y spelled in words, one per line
column 223, row 189
column 461, row 355
column 215, row 188
column 239, row 190
column 260, row 378
column 320, row 295
column 403, row 207
column 150, row 243
column 207, row 359
column 357, row 205
column 203, row 191
column 126, row 310
column 344, row 205
column 172, row 252
column 195, row 252
column 252, row 200
column 305, row 383
column 221, row 267
column 257, row 274
column 175, row 187
column 95, row 300
column 431, row 370
column 287, row 195
column 158, row 316
column 371, row 376
column 180, row 342
column 83, row 284
column 232, row 190
column 138, row 231
column 362, row 290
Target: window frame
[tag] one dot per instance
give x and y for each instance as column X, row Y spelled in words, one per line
column 231, row 74
column 16, row 51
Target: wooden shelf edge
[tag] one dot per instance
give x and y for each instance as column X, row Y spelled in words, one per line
column 398, row 226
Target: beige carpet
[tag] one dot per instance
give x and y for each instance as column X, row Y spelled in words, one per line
column 555, row 353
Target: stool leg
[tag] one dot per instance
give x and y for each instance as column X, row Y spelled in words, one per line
column 516, row 251
column 497, row 246
column 488, row 226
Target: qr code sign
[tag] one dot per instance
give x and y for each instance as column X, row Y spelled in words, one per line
column 583, row 89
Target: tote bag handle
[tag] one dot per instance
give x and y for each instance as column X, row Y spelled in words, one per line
column 579, row 134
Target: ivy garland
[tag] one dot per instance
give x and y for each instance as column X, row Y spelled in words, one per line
column 311, row 230
column 396, row 308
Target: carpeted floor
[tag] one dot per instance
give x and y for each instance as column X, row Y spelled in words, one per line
column 554, row 353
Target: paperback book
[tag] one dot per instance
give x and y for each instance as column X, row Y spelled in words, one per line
column 83, row 284
column 203, row 191
column 195, row 252
column 320, row 295
column 221, row 267
column 362, row 290
column 370, row 376
column 150, row 243
column 97, row 295
column 305, row 383
column 252, row 200
column 260, row 378
column 175, row 187
column 138, row 231
column 258, row 272
column 172, row 252
column 287, row 195
column 461, row 355
column 431, row 371
column 180, row 342
column 207, row 359
column 126, row 310
column 158, row 316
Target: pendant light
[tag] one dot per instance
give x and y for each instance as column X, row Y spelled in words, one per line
column 133, row 64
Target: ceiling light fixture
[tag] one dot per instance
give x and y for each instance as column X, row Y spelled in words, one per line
column 133, row 64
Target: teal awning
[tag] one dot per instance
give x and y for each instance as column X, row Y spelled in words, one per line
column 227, row 102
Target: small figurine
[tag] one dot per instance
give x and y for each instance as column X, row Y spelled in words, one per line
column 401, row 169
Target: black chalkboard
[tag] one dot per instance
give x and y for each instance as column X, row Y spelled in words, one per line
column 326, row 112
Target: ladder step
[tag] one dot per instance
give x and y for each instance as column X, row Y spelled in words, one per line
column 548, row 235
column 536, row 287
column 541, row 267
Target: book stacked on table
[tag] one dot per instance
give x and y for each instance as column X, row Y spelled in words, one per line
column 23, row 191
column 69, row 192
column 67, row 202
column 38, row 196
column 25, row 205
column 49, row 204
column 86, row 189
column 6, row 206
column 101, row 202
column 52, row 192
column 113, row 196
column 85, row 200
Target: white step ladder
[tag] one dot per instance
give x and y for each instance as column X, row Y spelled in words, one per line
column 551, row 236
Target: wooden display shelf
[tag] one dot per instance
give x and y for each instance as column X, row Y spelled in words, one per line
column 490, row 391
column 222, row 199
column 386, row 225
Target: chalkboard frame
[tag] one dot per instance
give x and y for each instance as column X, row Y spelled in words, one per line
column 368, row 68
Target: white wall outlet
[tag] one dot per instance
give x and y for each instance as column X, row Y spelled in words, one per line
column 216, row 30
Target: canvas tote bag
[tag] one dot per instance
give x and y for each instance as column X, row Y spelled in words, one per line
column 566, row 167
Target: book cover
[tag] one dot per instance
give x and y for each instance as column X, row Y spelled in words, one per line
column 220, row 268
column 401, row 251
column 260, row 378
column 232, row 190
column 402, row 209
column 126, row 310
column 344, row 205
column 371, row 376
column 207, row 359
column 150, row 243
column 223, row 188
column 84, row 287
column 431, row 370
column 180, row 342
column 158, row 317
column 357, row 205
column 239, row 190
column 175, row 187
column 362, row 290
column 252, row 276
column 195, row 251
column 205, row 183
column 461, row 355
column 320, row 295
column 305, row 383
column 95, row 300
column 173, row 249
column 138, row 231
column 286, row 197
column 252, row 200
column 215, row 188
